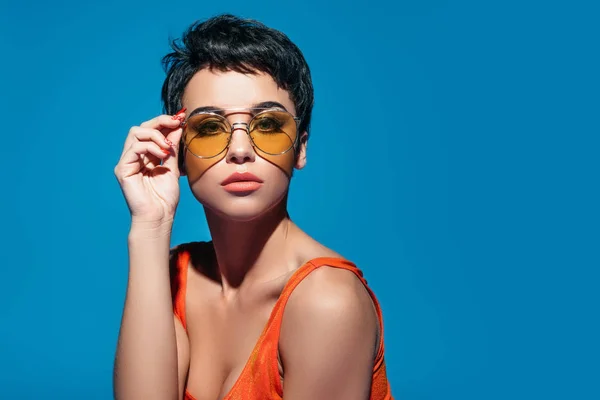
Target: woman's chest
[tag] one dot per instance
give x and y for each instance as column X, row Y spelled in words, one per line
column 224, row 340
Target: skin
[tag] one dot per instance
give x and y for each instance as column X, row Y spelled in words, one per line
column 329, row 332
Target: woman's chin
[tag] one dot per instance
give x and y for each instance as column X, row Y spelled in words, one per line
column 239, row 215
column 240, row 210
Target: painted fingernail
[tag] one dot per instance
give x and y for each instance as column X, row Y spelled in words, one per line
column 179, row 114
column 167, row 141
column 166, row 151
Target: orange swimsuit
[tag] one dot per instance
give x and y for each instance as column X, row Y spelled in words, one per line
column 260, row 377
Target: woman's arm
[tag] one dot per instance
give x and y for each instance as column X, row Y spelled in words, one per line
column 152, row 348
column 329, row 338
column 146, row 363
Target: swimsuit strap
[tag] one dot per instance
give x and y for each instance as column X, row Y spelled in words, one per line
column 179, row 272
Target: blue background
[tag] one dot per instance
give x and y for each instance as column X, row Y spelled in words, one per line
column 473, row 209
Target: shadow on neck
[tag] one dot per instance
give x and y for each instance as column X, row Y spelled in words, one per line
column 239, row 245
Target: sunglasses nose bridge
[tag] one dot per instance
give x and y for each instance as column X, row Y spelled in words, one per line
column 240, row 148
column 240, row 125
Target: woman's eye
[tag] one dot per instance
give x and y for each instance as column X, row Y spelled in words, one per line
column 209, row 128
column 268, row 125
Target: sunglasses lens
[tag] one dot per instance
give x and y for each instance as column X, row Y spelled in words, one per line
column 206, row 135
column 273, row 132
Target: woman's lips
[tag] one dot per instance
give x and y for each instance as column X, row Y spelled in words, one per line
column 242, row 186
column 241, row 183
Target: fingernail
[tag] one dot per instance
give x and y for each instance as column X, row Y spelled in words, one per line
column 166, row 151
column 167, row 141
column 178, row 114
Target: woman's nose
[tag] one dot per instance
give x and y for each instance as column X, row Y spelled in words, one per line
column 240, row 146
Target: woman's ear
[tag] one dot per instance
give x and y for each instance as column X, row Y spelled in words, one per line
column 301, row 152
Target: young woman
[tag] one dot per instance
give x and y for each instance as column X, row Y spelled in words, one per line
column 262, row 311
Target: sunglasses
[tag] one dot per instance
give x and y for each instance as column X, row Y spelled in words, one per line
column 272, row 131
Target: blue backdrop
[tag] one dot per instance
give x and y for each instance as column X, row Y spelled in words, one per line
column 473, row 209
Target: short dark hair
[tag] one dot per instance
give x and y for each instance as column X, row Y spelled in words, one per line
column 230, row 43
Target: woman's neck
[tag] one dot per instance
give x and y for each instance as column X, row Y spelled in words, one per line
column 249, row 251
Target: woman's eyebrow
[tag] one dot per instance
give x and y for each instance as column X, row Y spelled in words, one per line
column 269, row 104
column 212, row 109
column 221, row 111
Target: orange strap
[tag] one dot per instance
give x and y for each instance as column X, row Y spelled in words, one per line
column 179, row 273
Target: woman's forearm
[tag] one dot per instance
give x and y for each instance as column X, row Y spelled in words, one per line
column 146, row 359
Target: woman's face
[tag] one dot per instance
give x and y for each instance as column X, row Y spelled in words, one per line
column 208, row 177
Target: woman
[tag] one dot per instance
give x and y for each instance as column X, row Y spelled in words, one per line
column 262, row 311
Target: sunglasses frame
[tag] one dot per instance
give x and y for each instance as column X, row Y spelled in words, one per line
column 235, row 126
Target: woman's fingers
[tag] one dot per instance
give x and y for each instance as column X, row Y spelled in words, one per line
column 155, row 129
column 154, row 140
column 139, row 134
column 138, row 156
column 175, row 139
column 164, row 121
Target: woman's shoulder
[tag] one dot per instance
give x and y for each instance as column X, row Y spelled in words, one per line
column 330, row 314
column 330, row 270
column 334, row 277
column 328, row 281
